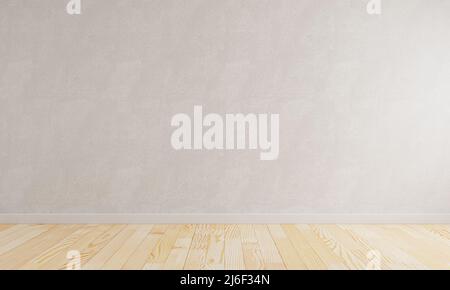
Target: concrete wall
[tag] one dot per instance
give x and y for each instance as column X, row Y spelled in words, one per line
column 86, row 103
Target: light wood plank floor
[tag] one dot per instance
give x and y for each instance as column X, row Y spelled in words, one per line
column 225, row 246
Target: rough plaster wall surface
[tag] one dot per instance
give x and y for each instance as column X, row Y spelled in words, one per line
column 86, row 103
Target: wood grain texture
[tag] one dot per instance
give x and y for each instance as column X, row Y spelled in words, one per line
column 145, row 250
column 234, row 256
column 215, row 255
column 4, row 227
column 19, row 237
column 177, row 257
column 287, row 250
column 196, row 258
column 304, row 249
column 126, row 250
column 161, row 251
column 24, row 253
column 271, row 256
column 226, row 246
column 253, row 259
column 58, row 250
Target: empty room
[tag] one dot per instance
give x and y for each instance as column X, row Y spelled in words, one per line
column 223, row 135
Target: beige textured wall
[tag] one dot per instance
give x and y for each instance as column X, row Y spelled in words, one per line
column 86, row 103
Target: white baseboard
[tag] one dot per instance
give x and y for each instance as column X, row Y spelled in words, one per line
column 224, row 218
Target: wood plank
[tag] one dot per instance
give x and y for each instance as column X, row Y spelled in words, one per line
column 20, row 237
column 253, row 259
column 111, row 247
column 309, row 257
column 424, row 250
column 60, row 261
column 196, row 258
column 323, row 247
column 271, row 256
column 216, row 248
column 139, row 257
column 178, row 254
column 32, row 248
column 438, row 240
column 440, row 230
column 7, row 231
column 59, row 249
column 118, row 260
column 354, row 252
column 234, row 256
column 4, row 227
column 287, row 251
column 162, row 249
column 91, row 248
column 394, row 257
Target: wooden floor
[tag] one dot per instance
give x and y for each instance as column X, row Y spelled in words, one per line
column 225, row 246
